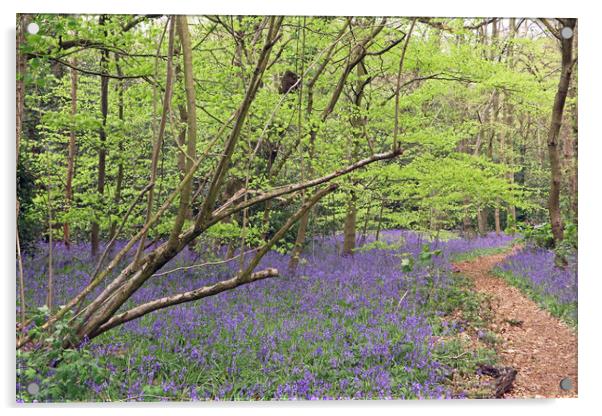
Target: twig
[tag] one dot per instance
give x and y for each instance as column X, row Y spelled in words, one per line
column 196, row 266
column 401, row 300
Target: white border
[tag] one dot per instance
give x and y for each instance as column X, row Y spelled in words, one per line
column 590, row 183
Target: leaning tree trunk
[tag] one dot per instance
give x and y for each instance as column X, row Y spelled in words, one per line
column 100, row 314
column 137, row 272
column 158, row 141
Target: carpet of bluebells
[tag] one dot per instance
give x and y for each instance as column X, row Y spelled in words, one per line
column 354, row 327
column 535, row 270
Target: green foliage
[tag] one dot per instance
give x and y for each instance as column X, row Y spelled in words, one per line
column 438, row 182
column 539, row 235
column 458, row 158
column 425, row 258
column 470, row 255
column 56, row 373
column 569, row 244
column 456, row 353
column 28, row 226
column 380, row 245
column 407, row 263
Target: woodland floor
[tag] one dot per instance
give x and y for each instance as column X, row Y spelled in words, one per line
column 539, row 346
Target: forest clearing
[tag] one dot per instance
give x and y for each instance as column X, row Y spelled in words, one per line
column 295, row 208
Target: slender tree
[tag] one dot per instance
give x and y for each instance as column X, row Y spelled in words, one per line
column 358, row 52
column 21, row 60
column 71, row 155
column 564, row 32
column 102, row 134
column 158, row 141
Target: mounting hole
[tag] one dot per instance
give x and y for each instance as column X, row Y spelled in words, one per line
column 33, row 389
column 33, row 28
column 566, row 32
column 566, row 384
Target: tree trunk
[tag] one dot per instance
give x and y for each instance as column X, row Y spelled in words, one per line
column 366, row 220
column 21, row 67
column 501, row 159
column 380, row 219
column 119, row 181
column 553, row 133
column 358, row 123
column 498, row 228
column 482, row 216
column 158, row 141
column 350, row 224
column 102, row 151
column 71, row 155
column 182, row 134
column 191, row 131
column 509, row 151
column 358, row 53
column 299, row 243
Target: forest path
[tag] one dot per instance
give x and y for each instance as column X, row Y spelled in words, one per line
column 540, row 347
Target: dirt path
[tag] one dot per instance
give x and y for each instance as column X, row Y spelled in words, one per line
column 538, row 345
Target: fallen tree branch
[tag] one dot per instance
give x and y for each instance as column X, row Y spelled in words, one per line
column 181, row 298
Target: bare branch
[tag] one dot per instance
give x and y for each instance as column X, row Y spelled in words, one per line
column 554, row 31
column 221, row 214
column 135, row 21
column 242, row 112
column 198, row 266
column 123, row 221
column 158, row 142
column 189, row 296
column 398, row 88
column 443, row 26
column 146, row 77
column 387, row 48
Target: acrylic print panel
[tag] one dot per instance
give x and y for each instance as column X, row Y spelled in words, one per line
column 295, row 208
